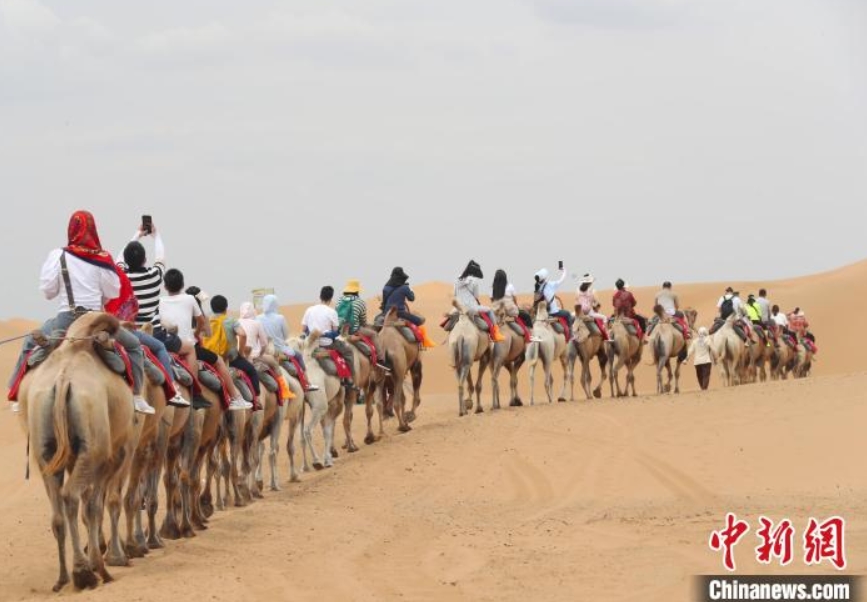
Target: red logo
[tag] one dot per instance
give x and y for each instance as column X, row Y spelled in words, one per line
column 825, row 542
column 727, row 538
column 776, row 543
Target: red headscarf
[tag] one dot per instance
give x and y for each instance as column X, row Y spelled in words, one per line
column 83, row 242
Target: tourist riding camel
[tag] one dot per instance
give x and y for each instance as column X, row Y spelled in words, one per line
column 83, row 278
column 396, row 293
column 352, row 316
column 146, row 283
column 503, row 293
column 624, row 303
column 179, row 310
column 730, row 305
column 668, row 300
column 547, row 289
column 323, row 318
column 277, row 331
column 467, row 295
column 229, row 340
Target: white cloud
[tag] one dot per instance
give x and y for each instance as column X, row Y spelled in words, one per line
column 27, row 17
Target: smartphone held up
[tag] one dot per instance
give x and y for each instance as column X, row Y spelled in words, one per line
column 147, row 224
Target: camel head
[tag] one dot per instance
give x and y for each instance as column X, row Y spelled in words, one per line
column 691, row 316
column 540, row 309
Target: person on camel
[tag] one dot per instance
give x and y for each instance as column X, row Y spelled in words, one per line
column 352, row 317
column 504, row 293
column 754, row 315
column 730, row 304
column 396, row 293
column 547, row 289
column 624, row 304
column 229, row 340
column 83, row 277
column 668, row 300
column 146, row 283
column 274, row 324
column 586, row 300
column 181, row 311
column 467, row 294
column 323, row 318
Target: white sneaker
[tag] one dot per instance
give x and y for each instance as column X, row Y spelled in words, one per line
column 239, row 403
column 179, row 402
column 16, row 407
column 142, row 406
column 535, row 340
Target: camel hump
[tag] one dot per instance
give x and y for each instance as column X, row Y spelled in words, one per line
column 93, row 322
column 459, row 306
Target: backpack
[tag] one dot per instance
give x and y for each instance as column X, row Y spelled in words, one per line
column 344, row 312
column 727, row 308
column 218, row 342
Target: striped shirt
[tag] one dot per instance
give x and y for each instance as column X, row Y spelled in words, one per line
column 146, row 286
column 359, row 312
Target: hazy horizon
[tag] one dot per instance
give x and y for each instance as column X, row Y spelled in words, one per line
column 296, row 144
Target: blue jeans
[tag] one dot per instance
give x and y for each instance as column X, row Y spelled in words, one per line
column 562, row 313
column 158, row 349
column 405, row 315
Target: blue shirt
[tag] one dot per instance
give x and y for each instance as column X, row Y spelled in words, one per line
column 396, row 297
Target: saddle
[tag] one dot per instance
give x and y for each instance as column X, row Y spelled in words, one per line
column 560, row 326
column 452, row 318
column 267, row 378
column 365, row 345
column 516, row 328
column 409, row 331
column 332, row 363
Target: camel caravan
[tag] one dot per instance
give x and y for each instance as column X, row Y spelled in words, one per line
column 131, row 389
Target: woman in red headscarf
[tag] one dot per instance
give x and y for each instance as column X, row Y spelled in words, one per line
column 96, row 284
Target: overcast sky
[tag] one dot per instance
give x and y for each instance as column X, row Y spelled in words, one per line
column 298, row 143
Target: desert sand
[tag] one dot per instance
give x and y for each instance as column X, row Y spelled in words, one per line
column 605, row 500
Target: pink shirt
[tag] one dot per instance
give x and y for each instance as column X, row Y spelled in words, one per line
column 257, row 340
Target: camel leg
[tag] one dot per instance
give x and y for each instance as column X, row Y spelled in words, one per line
column 273, row 453
column 483, row 365
column 116, row 555
column 154, row 541
column 496, row 364
column 94, row 508
column 630, row 379
column 82, row 571
column 570, row 374
column 513, row 382
column 399, row 398
column 290, row 450
column 549, row 382
column 669, row 374
column 415, row 373
column 328, row 436
column 564, row 363
column 133, row 501
column 347, row 421
column 371, row 399
column 677, row 375
column 169, row 528
column 462, row 374
column 468, row 400
column 317, row 410
column 53, row 485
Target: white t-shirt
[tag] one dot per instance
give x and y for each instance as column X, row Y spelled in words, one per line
column 91, row 285
column 180, row 310
column 320, row 317
column 781, row 320
column 668, row 300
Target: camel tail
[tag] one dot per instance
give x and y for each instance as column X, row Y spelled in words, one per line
column 63, row 450
column 659, row 351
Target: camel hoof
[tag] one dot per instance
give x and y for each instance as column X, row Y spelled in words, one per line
column 388, row 413
column 275, row 487
column 61, row 583
column 156, row 544
column 170, row 532
column 404, row 428
column 260, row 485
column 370, row 439
column 597, row 394
column 352, row 449
column 117, row 561
column 136, row 551
column 561, row 399
column 410, row 416
column 84, row 579
column 479, row 409
column 295, row 479
column 258, row 495
column 106, row 578
column 468, row 404
column 516, row 403
column 318, row 465
column 334, row 453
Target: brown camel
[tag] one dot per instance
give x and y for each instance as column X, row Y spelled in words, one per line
column 666, row 342
column 510, row 354
column 468, row 345
column 147, row 459
column 80, row 420
column 729, row 350
column 585, row 346
column 624, row 350
column 365, row 376
column 259, row 427
column 401, row 356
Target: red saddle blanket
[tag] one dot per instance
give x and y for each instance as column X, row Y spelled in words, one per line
column 369, row 342
column 415, row 331
column 343, row 370
column 684, row 327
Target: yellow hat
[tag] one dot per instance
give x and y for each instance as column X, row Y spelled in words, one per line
column 352, row 287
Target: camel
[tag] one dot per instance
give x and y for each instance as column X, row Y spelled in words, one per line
column 802, row 361
column 147, row 459
column 666, row 342
column 325, row 404
column 510, row 354
column 271, row 431
column 586, row 346
column 80, row 420
column 624, row 350
column 365, row 377
column 729, row 350
column 401, row 356
column 468, row 345
column 550, row 347
column 756, row 358
column 781, row 360
column 261, row 425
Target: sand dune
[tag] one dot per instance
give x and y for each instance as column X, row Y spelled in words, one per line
column 607, row 500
